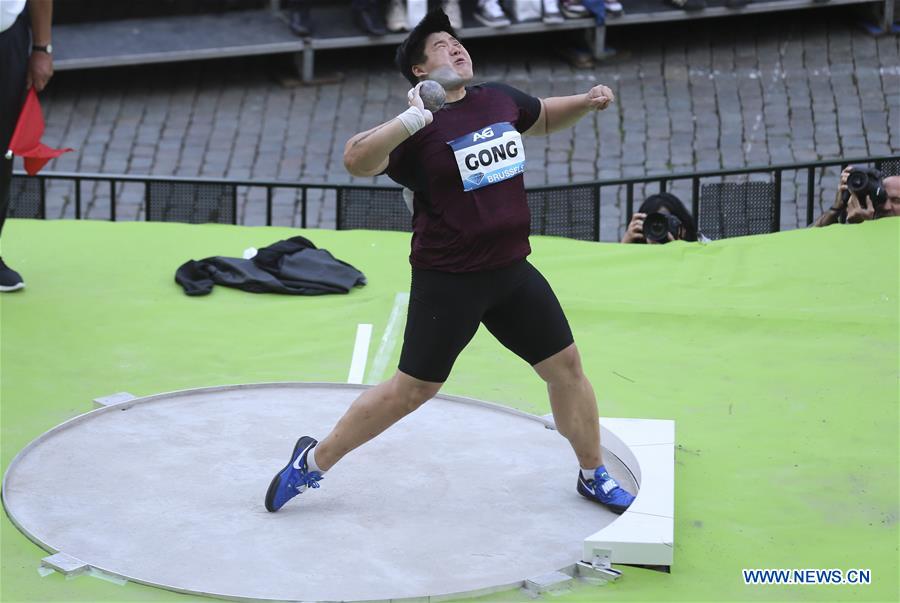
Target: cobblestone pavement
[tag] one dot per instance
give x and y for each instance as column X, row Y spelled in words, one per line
column 724, row 93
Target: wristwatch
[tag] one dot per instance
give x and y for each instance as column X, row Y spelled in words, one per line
column 48, row 48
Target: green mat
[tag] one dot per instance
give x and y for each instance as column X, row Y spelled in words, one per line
column 777, row 356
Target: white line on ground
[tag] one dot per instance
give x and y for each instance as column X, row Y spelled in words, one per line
column 388, row 339
column 360, row 353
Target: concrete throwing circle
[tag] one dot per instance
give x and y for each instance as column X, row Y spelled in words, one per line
column 458, row 497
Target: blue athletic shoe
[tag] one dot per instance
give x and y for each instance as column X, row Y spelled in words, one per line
column 294, row 478
column 605, row 490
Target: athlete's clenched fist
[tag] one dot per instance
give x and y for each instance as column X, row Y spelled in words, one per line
column 600, row 97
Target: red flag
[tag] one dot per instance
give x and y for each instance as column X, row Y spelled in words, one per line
column 26, row 139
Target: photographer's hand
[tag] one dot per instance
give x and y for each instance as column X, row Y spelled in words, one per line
column 856, row 213
column 635, row 231
column 839, row 204
column 833, row 213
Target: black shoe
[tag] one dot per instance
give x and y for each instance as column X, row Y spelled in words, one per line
column 369, row 20
column 688, row 5
column 301, row 23
column 10, row 280
column 576, row 57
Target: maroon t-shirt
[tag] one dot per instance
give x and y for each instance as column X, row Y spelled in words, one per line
column 484, row 228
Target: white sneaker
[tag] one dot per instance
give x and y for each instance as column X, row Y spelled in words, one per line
column 614, row 7
column 552, row 13
column 396, row 15
column 454, row 13
column 490, row 14
column 574, row 9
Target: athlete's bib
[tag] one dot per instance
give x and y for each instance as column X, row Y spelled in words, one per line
column 489, row 156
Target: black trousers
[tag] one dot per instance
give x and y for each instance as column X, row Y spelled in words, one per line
column 15, row 44
column 515, row 303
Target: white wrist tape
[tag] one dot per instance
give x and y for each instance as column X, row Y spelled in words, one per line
column 413, row 119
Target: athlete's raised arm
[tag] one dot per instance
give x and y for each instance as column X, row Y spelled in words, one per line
column 366, row 154
column 561, row 112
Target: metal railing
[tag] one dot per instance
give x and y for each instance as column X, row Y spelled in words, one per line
column 596, row 190
column 775, row 170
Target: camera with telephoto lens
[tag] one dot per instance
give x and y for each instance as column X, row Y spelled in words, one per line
column 657, row 227
column 865, row 183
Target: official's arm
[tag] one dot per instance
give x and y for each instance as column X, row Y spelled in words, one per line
column 40, row 64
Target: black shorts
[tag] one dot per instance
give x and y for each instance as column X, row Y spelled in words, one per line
column 515, row 303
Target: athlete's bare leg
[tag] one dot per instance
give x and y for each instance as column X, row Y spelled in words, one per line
column 371, row 413
column 574, row 404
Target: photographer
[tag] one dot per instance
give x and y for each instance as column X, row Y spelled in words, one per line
column 881, row 198
column 660, row 219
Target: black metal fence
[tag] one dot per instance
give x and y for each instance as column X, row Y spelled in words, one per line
column 725, row 203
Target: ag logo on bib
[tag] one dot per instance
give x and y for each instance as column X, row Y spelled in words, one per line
column 489, row 156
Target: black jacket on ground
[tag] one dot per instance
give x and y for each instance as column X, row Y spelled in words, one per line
column 294, row 266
